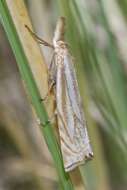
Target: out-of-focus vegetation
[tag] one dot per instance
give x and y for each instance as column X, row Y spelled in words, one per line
column 96, row 31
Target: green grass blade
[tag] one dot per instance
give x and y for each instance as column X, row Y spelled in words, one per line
column 34, row 94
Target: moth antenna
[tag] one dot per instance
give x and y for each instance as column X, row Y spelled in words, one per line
column 38, row 39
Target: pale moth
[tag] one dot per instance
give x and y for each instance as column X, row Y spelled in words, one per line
column 74, row 140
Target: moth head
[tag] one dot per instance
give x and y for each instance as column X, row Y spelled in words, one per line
column 59, row 31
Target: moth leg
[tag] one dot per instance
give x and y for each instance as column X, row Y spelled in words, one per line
column 43, row 124
column 49, row 121
column 51, row 76
column 38, row 39
column 52, row 84
column 40, row 123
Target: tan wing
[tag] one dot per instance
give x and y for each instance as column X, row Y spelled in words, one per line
column 72, row 127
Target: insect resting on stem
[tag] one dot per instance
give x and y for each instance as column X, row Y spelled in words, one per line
column 74, row 140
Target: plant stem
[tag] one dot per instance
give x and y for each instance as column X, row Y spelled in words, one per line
column 27, row 76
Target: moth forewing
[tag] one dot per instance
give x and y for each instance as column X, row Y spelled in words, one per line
column 74, row 139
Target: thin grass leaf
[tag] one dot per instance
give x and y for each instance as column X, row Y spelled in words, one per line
column 27, row 76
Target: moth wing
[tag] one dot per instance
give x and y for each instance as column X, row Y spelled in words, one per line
column 73, row 92
column 65, row 113
column 72, row 126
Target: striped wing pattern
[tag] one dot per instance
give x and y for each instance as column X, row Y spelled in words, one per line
column 74, row 139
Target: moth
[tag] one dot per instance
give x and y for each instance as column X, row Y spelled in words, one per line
column 74, row 140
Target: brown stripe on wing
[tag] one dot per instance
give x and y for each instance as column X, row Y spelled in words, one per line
column 64, row 124
column 67, row 145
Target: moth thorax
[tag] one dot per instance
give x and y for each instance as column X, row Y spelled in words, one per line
column 59, row 44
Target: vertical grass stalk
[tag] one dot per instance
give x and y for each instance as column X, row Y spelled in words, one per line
column 26, row 74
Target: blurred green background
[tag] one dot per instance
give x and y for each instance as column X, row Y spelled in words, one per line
column 96, row 31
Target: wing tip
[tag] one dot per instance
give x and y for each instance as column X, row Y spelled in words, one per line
column 87, row 157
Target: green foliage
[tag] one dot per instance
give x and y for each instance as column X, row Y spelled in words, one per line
column 33, row 92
